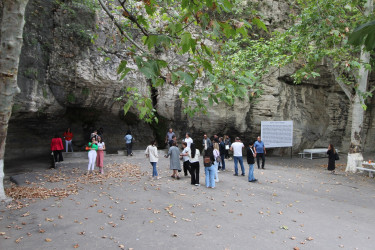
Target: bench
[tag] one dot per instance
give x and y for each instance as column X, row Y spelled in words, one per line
column 367, row 169
column 318, row 152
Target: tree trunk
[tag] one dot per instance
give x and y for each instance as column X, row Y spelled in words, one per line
column 355, row 157
column 10, row 49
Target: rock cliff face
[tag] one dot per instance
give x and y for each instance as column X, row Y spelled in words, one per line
column 67, row 81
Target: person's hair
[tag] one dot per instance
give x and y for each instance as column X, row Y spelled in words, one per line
column 68, row 129
column 93, row 138
column 221, row 138
column 259, row 137
column 237, row 138
column 174, row 136
column 174, row 143
column 188, row 134
column 192, row 150
column 128, row 132
column 251, row 143
column 56, row 136
column 153, row 142
column 95, row 131
column 216, row 145
column 332, row 148
column 184, row 143
column 99, row 138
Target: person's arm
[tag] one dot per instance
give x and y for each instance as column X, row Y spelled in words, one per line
column 103, row 146
column 255, row 149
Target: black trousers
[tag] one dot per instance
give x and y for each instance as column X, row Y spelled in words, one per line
column 194, row 172
column 261, row 155
column 129, row 148
column 58, row 152
column 186, row 166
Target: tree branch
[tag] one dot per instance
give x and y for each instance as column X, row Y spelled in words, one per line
column 343, row 86
column 132, row 18
column 119, row 26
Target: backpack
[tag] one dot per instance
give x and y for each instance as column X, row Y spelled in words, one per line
column 207, row 161
column 337, row 157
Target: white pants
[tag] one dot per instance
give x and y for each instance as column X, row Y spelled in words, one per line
column 67, row 143
column 92, row 160
column 216, row 164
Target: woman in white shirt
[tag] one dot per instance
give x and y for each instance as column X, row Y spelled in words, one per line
column 216, row 163
column 194, row 165
column 100, row 154
column 152, row 153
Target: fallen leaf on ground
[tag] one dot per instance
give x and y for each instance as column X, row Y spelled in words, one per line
column 198, row 234
column 18, row 240
column 48, row 240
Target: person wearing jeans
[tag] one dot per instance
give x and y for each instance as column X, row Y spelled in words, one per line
column 152, row 153
column 250, row 160
column 68, row 136
column 236, row 147
column 210, row 170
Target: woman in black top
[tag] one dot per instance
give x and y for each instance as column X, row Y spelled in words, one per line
column 250, row 160
column 331, row 158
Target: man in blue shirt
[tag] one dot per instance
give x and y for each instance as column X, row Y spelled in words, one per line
column 260, row 151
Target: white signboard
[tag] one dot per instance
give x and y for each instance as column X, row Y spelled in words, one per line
column 277, row 134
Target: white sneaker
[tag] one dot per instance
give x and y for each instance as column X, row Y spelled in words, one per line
column 197, row 185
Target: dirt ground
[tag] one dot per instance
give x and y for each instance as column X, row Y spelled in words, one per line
column 296, row 203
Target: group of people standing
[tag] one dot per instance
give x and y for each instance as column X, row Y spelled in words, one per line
column 214, row 153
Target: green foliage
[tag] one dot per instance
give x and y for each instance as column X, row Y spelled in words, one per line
column 193, row 33
column 142, row 103
column 71, row 98
column 364, row 35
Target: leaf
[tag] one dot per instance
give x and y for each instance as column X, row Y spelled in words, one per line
column 186, row 42
column 259, row 24
column 284, row 227
column 127, row 106
column 364, row 35
column 48, row 240
column 122, row 66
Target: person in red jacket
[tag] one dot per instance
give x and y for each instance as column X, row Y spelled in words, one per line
column 57, row 148
column 68, row 136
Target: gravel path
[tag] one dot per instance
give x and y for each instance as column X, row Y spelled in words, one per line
column 295, row 204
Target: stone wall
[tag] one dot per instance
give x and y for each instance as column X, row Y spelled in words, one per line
column 67, row 81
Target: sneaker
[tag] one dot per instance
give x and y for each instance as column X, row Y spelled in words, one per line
column 243, row 174
column 197, row 185
column 178, row 177
column 235, row 174
column 216, row 180
column 158, row 178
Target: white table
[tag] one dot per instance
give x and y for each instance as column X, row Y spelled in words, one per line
column 321, row 152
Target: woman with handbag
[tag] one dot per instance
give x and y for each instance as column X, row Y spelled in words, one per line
column 100, row 154
column 216, row 153
column 331, row 158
